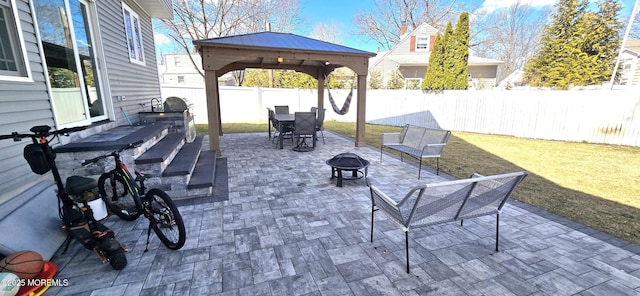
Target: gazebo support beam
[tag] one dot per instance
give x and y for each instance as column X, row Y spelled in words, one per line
column 213, row 107
column 320, row 88
column 361, row 140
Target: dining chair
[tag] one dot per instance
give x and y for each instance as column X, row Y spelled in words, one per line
column 305, row 128
column 286, row 129
column 282, row 109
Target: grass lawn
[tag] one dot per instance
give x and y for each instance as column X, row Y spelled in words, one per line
column 595, row 185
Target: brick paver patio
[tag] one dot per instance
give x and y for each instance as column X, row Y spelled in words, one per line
column 287, row 229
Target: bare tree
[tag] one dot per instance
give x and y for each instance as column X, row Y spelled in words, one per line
column 327, row 32
column 384, row 22
column 203, row 19
column 634, row 34
column 509, row 34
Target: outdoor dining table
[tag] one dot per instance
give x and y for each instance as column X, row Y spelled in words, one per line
column 282, row 120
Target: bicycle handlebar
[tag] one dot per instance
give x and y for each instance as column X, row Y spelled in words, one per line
column 113, row 153
column 41, row 131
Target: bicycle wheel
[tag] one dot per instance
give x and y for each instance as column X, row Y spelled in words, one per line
column 118, row 199
column 117, row 259
column 166, row 219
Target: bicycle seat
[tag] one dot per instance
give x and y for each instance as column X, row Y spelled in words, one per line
column 77, row 184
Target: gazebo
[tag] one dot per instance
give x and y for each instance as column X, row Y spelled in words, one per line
column 272, row 50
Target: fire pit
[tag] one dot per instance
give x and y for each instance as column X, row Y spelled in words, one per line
column 347, row 162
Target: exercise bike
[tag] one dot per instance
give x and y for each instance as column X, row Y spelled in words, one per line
column 73, row 197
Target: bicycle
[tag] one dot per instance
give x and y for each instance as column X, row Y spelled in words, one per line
column 128, row 200
column 75, row 213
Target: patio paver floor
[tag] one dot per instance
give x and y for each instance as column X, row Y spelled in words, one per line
column 287, row 229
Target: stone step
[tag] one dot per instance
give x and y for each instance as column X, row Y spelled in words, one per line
column 162, row 150
column 204, row 172
column 185, row 161
column 157, row 158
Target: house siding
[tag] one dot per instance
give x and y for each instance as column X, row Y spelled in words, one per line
column 22, row 105
column 138, row 84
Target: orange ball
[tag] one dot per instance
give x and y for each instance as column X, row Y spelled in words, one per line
column 24, row 264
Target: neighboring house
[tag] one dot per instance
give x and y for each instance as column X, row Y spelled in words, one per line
column 411, row 57
column 630, row 63
column 63, row 64
column 177, row 68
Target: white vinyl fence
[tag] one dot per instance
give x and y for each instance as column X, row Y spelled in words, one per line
column 595, row 116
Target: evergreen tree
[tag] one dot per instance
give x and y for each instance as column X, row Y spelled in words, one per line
column 449, row 60
column 578, row 47
column 603, row 40
column 375, row 80
column 461, row 58
column 396, row 81
column 434, row 78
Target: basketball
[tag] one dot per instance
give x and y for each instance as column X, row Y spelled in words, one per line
column 9, row 284
column 24, row 264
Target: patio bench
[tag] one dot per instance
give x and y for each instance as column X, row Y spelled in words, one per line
column 447, row 201
column 417, row 141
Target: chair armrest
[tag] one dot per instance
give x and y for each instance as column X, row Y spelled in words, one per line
column 390, row 138
column 383, row 197
column 430, row 147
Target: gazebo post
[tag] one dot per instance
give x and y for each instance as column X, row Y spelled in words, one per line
column 320, row 88
column 361, row 140
column 213, row 110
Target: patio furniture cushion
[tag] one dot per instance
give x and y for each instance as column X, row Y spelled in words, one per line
column 446, row 201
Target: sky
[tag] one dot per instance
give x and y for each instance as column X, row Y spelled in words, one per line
column 341, row 13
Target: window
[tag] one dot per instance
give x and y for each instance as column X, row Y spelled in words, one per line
column 180, row 79
column 71, row 52
column 134, row 35
column 177, row 61
column 422, row 43
column 12, row 54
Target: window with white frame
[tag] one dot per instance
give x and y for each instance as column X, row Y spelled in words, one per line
column 12, row 54
column 422, row 43
column 180, row 79
column 134, row 34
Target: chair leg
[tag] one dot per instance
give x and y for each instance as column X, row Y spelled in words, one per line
column 497, row 230
column 322, row 133
column 437, row 165
column 372, row 211
column 406, row 245
column 419, row 168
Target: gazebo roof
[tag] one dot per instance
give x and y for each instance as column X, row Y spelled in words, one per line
column 280, row 41
column 272, row 50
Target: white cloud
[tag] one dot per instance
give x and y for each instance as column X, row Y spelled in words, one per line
column 491, row 5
